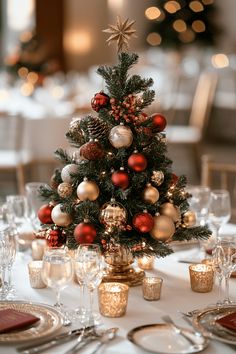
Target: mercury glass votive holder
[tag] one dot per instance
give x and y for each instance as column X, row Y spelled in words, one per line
column 201, row 277
column 38, row 246
column 152, row 288
column 35, row 278
column 146, row 262
column 113, row 299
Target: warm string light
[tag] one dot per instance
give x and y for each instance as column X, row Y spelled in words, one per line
column 220, row 61
column 172, row 7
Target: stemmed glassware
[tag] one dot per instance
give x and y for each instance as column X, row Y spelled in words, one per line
column 219, row 210
column 34, row 202
column 57, row 272
column 89, row 272
column 199, row 202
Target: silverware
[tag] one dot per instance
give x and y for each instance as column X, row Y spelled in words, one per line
column 60, row 339
column 179, row 331
column 104, row 337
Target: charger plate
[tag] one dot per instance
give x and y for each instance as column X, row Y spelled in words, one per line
column 50, row 322
column 205, row 322
column 163, row 338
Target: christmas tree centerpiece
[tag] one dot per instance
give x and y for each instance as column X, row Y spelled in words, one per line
column 117, row 188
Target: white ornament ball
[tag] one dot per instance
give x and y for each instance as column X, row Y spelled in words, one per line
column 68, row 171
column 59, row 217
column 121, row 136
column 87, row 190
column 163, row 229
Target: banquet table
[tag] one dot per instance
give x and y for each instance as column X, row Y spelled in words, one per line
column 176, row 295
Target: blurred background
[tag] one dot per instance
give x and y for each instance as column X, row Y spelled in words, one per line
column 49, row 53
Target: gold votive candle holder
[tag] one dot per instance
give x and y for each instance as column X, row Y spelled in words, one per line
column 113, row 299
column 146, row 262
column 151, row 287
column 35, row 278
column 208, row 261
column 38, row 246
column 201, row 277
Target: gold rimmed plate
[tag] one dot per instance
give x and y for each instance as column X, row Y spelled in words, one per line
column 50, row 322
column 205, row 322
column 163, row 338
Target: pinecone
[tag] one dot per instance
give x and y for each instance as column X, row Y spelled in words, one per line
column 97, row 128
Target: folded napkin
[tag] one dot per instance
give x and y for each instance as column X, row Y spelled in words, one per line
column 228, row 321
column 12, row 319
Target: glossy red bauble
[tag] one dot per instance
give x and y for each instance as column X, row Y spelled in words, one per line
column 143, row 222
column 137, row 162
column 158, row 122
column 120, row 179
column 92, row 150
column 99, row 101
column 85, row 233
column 44, row 214
column 55, row 238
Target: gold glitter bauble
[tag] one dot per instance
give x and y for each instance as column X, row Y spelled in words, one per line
column 87, row 190
column 157, row 177
column 113, row 214
column 150, row 194
column 163, row 229
column 189, row 219
column 59, row 217
column 64, row 190
column 169, row 209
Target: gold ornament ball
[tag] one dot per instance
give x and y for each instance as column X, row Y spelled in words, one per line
column 189, row 218
column 65, row 190
column 169, row 209
column 163, row 229
column 87, row 190
column 157, row 177
column 113, row 214
column 121, row 136
column 150, row 194
column 59, row 217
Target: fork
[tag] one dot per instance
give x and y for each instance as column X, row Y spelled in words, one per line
column 178, row 330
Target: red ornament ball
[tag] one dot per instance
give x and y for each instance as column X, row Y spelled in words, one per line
column 143, row 222
column 92, row 150
column 137, row 162
column 158, row 122
column 56, row 238
column 44, row 214
column 85, row 233
column 120, row 179
column 99, row 101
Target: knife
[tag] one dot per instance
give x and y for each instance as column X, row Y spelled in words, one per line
column 60, row 339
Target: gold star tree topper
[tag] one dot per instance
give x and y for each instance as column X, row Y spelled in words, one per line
column 121, row 33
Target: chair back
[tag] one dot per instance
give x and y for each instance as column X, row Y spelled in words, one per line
column 11, row 132
column 220, row 175
column 203, row 100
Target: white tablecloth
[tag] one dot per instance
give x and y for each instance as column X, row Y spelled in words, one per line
column 176, row 295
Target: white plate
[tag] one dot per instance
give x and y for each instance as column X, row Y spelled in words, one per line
column 50, row 322
column 163, row 338
column 205, row 322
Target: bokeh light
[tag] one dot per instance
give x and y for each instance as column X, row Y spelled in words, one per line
column 187, row 36
column 172, row 6
column 152, row 13
column 179, row 25
column 198, row 26
column 220, row 60
column 154, row 39
column 196, row 6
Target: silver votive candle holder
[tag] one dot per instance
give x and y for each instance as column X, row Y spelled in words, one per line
column 146, row 262
column 201, row 277
column 151, row 287
column 113, row 299
column 35, row 278
column 38, row 246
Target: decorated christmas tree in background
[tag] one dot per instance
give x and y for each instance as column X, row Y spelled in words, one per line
column 177, row 23
column 117, row 187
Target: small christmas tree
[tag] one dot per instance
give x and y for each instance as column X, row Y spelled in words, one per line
column 117, row 188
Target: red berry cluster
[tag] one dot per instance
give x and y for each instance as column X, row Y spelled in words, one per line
column 129, row 109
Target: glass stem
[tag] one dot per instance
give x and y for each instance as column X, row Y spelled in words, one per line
column 220, row 278
column 58, row 297
column 226, row 298
column 217, row 235
column 3, row 280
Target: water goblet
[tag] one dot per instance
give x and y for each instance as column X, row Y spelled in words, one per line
column 57, row 272
column 199, row 202
column 219, row 210
column 34, row 202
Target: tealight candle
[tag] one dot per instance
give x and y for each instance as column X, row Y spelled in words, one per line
column 146, row 262
column 38, row 246
column 201, row 277
column 152, row 288
column 113, row 299
column 34, row 268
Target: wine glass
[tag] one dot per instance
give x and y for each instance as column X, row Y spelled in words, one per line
column 57, row 272
column 90, row 260
column 34, row 202
column 199, row 202
column 219, row 210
